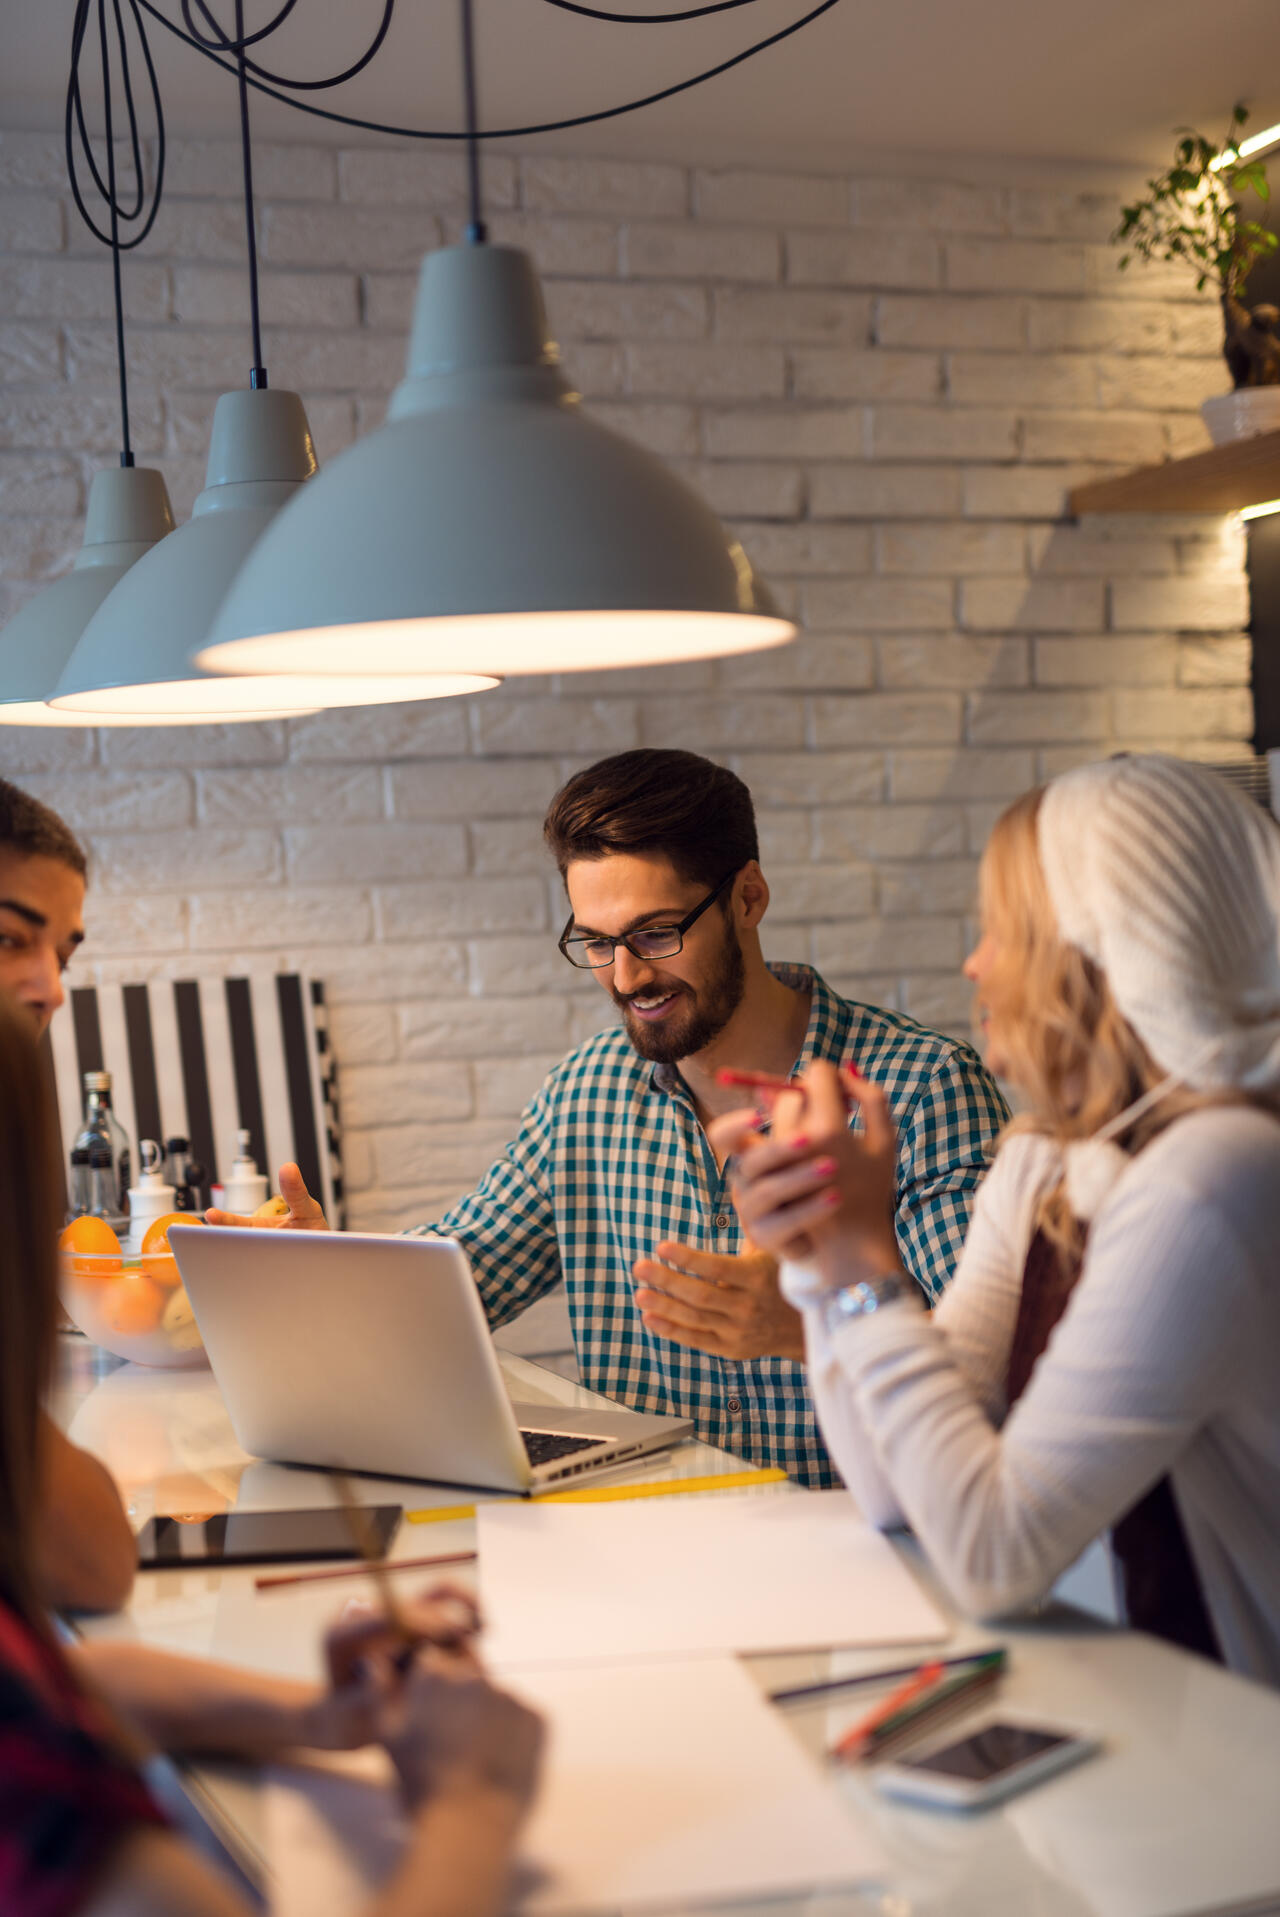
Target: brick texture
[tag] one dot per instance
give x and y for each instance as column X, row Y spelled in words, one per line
column 886, row 389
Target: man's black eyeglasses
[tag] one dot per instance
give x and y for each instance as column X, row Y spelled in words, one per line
column 649, row 942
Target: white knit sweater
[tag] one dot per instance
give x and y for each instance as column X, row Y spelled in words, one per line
column 1166, row 1360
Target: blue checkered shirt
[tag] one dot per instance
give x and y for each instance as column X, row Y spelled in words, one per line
column 610, row 1159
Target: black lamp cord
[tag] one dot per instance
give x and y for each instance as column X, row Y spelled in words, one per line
column 477, row 233
column 120, row 212
column 257, row 75
column 126, row 447
column 257, row 372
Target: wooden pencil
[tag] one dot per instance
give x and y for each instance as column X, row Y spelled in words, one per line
column 365, row 1567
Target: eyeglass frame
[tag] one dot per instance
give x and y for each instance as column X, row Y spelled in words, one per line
column 690, row 919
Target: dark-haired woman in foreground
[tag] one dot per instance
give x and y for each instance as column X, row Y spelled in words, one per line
column 79, row 1831
column 1107, row 1354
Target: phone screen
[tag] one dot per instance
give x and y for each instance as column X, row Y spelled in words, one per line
column 265, row 1537
column 988, row 1753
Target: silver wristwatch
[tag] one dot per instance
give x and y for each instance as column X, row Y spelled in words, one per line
column 856, row 1301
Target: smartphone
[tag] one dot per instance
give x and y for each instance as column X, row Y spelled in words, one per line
column 265, row 1537
column 1000, row 1757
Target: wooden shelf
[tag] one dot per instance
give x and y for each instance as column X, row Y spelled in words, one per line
column 1223, row 480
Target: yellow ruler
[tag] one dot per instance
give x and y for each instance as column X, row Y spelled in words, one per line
column 608, row 1494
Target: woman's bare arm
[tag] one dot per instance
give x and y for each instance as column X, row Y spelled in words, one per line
column 85, row 1551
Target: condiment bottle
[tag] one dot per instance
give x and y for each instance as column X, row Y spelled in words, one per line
column 149, row 1199
column 244, row 1188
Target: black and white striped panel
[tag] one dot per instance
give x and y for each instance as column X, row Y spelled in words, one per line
column 202, row 1058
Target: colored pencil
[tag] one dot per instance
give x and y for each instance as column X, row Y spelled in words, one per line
column 956, row 1699
column 757, row 1081
column 859, row 1735
column 274, row 1582
column 794, row 1693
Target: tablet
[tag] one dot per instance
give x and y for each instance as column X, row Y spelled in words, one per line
column 266, row 1537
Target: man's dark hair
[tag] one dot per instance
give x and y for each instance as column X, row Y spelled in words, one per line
column 35, row 830
column 694, row 813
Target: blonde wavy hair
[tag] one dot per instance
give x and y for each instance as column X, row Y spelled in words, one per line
column 1067, row 1047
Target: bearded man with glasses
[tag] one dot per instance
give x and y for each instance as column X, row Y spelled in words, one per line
column 610, row 1183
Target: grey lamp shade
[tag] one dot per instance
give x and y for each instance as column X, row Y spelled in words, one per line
column 133, row 662
column 128, row 514
column 491, row 523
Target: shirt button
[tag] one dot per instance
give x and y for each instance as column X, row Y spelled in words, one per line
column 735, row 1405
column 723, row 1220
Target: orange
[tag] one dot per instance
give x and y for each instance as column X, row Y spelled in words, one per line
column 91, row 1249
column 89, row 1234
column 156, row 1237
column 132, row 1305
column 161, row 1268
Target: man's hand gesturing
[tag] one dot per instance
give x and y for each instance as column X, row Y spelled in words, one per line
column 727, row 1305
column 304, row 1213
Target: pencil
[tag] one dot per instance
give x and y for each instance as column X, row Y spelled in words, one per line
column 769, row 1081
column 373, row 1565
column 857, row 1738
column 761, row 1081
column 275, row 1581
column 794, row 1693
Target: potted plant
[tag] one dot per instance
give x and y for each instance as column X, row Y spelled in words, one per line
column 1192, row 215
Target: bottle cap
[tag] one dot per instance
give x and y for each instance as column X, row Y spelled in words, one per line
column 97, row 1081
column 172, row 1145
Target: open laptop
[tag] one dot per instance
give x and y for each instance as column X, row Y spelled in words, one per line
column 373, row 1354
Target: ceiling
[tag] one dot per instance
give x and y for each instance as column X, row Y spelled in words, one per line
column 889, row 85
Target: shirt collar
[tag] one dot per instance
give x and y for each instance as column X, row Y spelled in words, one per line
column 824, row 1035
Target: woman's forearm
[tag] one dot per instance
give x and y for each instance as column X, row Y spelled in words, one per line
column 458, row 1861
column 190, row 1704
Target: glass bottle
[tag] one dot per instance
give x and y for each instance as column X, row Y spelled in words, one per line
column 103, row 1198
column 78, row 1192
column 100, row 1122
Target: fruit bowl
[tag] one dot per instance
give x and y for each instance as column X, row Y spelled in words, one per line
column 134, row 1307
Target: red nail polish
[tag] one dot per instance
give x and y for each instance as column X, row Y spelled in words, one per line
column 799, row 1144
column 827, row 1166
column 831, row 1197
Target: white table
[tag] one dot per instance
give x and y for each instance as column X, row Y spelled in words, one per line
column 1180, row 1814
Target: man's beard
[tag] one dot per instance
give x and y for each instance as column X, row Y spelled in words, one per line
column 689, row 1028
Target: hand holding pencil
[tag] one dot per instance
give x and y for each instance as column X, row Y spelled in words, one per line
column 815, row 1192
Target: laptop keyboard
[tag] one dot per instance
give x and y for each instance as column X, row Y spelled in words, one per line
column 545, row 1446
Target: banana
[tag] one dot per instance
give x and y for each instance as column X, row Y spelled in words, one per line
column 179, row 1322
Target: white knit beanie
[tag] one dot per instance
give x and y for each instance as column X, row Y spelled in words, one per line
column 1169, row 880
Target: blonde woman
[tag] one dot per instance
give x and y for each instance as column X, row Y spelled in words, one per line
column 1107, row 1355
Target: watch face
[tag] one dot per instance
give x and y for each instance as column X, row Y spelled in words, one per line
column 855, row 1301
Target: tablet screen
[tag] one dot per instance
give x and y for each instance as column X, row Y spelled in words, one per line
column 265, row 1537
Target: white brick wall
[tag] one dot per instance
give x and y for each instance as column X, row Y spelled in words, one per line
column 887, row 388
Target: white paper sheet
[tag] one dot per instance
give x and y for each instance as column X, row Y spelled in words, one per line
column 678, row 1577
column 664, row 1785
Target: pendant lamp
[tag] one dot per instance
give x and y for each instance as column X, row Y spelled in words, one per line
column 133, row 661
column 128, row 513
column 491, row 524
column 132, row 664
